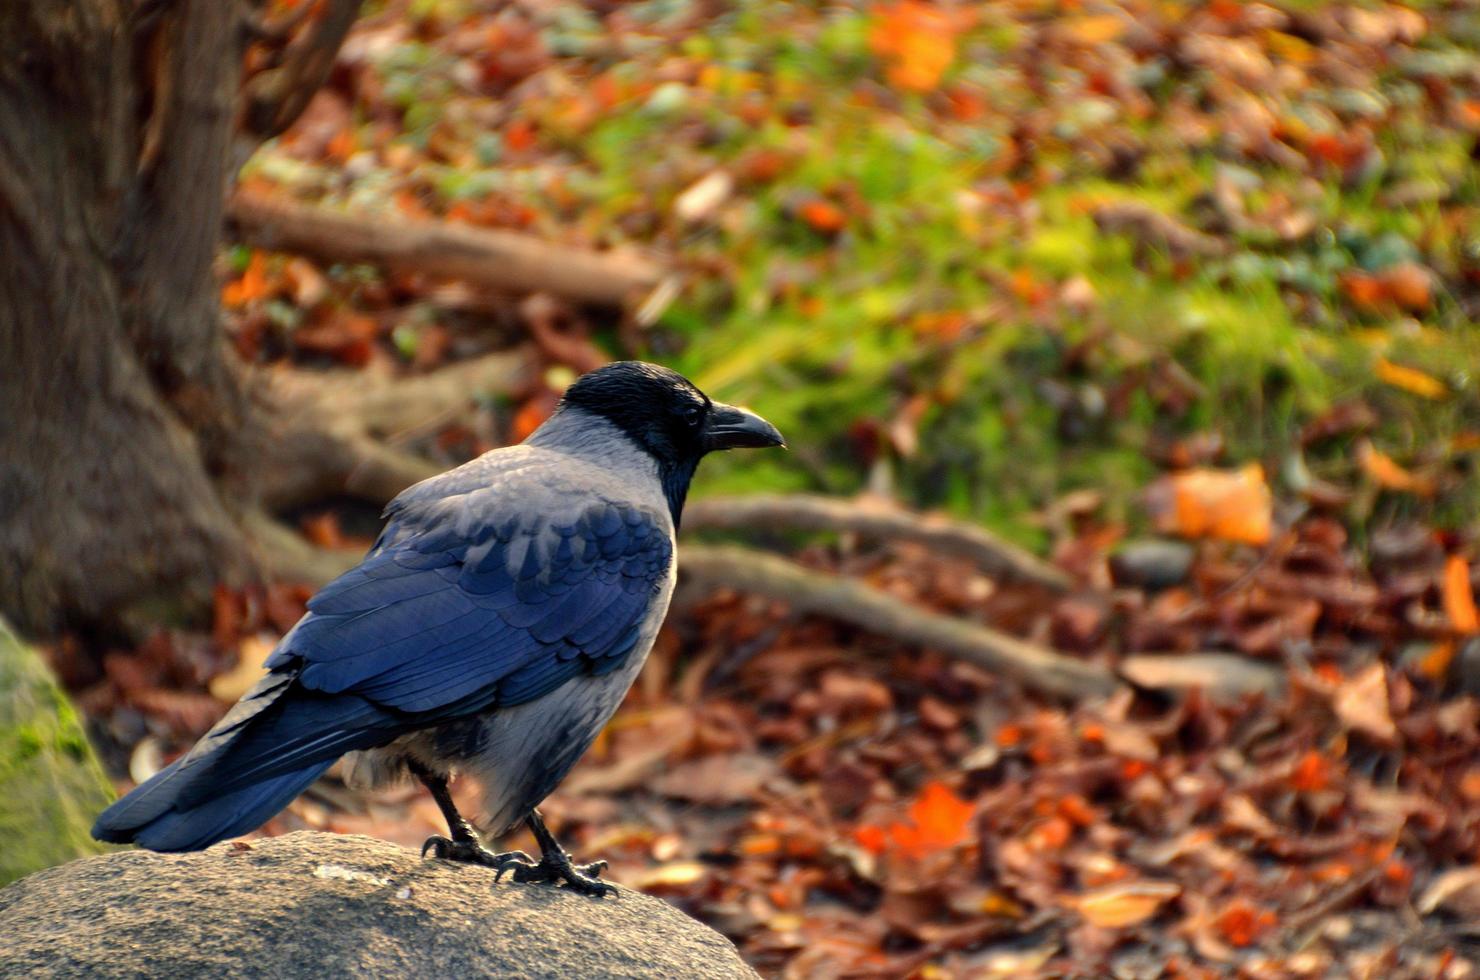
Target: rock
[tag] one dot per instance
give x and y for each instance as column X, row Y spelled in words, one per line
column 317, row 905
column 51, row 786
column 1151, row 564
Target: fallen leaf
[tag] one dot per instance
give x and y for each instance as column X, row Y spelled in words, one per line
column 251, row 652
column 1363, row 290
column 823, row 216
column 938, row 820
column 1119, row 906
column 703, row 198
column 532, row 414
column 345, row 336
column 306, row 283
column 251, row 285
column 1456, row 891
column 1361, row 704
column 718, row 780
column 1410, row 285
column 1389, row 475
column 1459, row 596
column 1093, row 29
column 1234, row 505
column 671, row 875
column 1410, row 379
column 1241, row 924
column 917, row 42
column 941, row 816
column 1222, row 676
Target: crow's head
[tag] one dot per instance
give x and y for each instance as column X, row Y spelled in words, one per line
column 665, row 414
column 668, row 418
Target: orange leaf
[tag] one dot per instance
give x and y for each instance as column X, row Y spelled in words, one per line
column 1093, row 29
column 872, row 839
column 938, row 821
column 941, row 816
column 945, row 326
column 823, row 216
column 410, row 205
column 341, row 146
column 1459, row 597
column 1241, row 924
column 1410, row 379
column 1234, row 505
column 1410, row 285
column 1026, row 287
column 519, row 135
column 251, row 286
column 323, row 530
column 1435, row 664
column 917, row 42
column 1312, row 773
column 1364, row 290
column 532, row 413
column 1389, row 475
column 347, row 337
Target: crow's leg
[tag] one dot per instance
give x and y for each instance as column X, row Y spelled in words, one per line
column 555, row 865
column 464, row 844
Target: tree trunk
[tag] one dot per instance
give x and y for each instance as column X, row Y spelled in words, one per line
column 119, row 410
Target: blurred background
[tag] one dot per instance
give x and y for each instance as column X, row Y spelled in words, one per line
column 1113, row 611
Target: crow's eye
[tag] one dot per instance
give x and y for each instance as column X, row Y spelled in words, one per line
column 692, row 416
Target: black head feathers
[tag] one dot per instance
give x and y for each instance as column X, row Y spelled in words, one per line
column 668, row 418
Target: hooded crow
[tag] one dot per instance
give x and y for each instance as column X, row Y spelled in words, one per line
column 493, row 629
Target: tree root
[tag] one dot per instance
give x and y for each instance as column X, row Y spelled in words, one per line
column 848, row 601
column 805, row 512
column 507, row 261
column 275, row 97
column 328, row 433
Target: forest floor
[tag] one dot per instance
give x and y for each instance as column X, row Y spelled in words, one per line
column 1083, row 273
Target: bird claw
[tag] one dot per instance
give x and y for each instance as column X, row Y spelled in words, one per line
column 558, row 869
column 471, row 852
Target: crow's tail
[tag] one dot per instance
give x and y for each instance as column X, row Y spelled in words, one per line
column 251, row 765
column 193, row 828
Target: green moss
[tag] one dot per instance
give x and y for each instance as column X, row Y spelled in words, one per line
column 51, row 786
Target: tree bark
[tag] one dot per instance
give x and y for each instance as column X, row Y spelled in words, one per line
column 116, row 396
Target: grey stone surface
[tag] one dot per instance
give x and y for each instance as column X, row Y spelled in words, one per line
column 324, row 905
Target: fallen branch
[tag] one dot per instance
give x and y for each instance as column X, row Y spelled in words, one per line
column 503, row 260
column 853, row 602
column 804, row 512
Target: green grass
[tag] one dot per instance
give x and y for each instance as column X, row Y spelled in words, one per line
column 824, row 334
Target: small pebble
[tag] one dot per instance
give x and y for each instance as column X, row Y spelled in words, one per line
column 1151, row 563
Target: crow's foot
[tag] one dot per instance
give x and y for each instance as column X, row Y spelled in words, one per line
column 471, row 852
column 557, row 867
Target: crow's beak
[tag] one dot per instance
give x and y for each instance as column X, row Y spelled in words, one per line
column 732, row 428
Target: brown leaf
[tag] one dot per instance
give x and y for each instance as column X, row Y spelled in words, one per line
column 718, row 780
column 1456, row 891
column 1361, row 704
